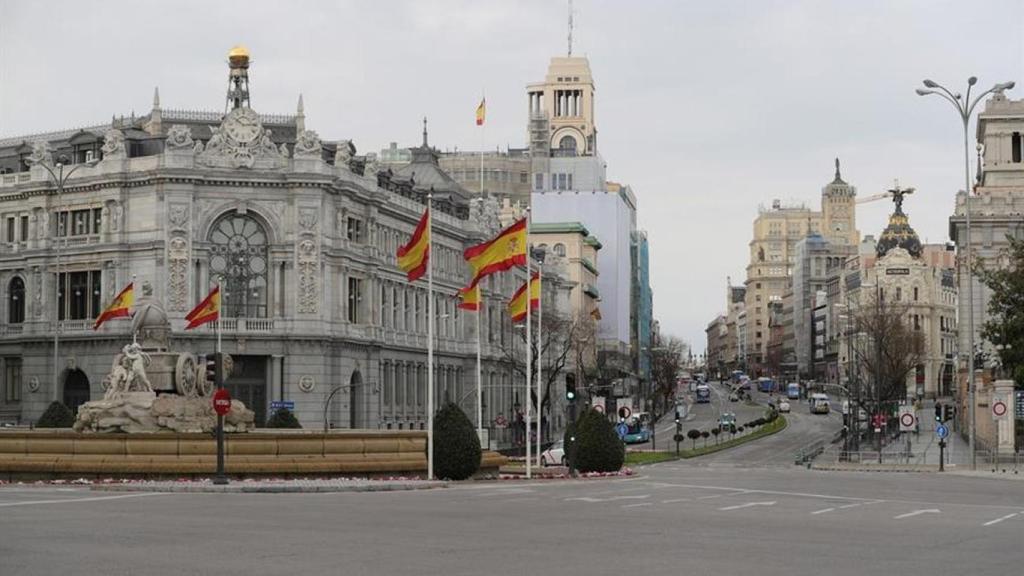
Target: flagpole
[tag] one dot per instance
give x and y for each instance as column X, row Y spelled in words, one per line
column 540, row 357
column 430, row 338
column 479, row 379
column 529, row 346
column 220, row 312
column 483, row 137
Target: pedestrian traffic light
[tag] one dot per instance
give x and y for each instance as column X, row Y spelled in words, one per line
column 215, row 369
column 570, row 391
column 939, row 412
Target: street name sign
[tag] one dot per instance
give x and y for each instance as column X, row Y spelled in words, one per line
column 286, row 404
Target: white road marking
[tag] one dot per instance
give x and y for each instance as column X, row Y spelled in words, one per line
column 748, row 505
column 635, row 505
column 998, row 520
column 917, row 513
column 71, row 500
column 505, row 492
column 612, row 499
column 854, row 505
column 675, row 500
column 822, row 511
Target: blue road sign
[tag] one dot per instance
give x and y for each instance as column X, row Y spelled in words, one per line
column 942, row 431
column 278, row 404
column 622, row 430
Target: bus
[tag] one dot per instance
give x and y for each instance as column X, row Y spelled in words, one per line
column 765, row 384
column 819, row 403
column 703, row 394
column 793, row 391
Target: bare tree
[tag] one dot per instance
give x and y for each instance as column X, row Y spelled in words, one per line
column 562, row 339
column 666, row 363
column 892, row 348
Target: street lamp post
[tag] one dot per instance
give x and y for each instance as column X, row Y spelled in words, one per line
column 965, row 108
column 59, row 178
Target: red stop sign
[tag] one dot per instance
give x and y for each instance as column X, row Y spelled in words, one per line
column 222, row 401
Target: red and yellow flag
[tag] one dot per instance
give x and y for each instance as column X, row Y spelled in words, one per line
column 481, row 112
column 207, row 311
column 506, row 250
column 413, row 257
column 517, row 306
column 120, row 307
column 469, row 298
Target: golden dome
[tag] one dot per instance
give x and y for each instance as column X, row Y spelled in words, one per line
column 239, row 51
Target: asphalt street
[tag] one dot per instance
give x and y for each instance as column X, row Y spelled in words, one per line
column 702, row 417
column 672, row 518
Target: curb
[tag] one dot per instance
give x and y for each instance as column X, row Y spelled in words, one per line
column 255, row 488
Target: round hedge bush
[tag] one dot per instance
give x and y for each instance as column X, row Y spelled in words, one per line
column 456, row 445
column 598, row 447
column 57, row 415
column 283, row 418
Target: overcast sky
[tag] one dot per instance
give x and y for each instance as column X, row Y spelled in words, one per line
column 708, row 109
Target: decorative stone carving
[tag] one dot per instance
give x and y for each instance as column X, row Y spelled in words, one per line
column 309, row 297
column 308, row 218
column 177, row 216
column 370, row 169
column 307, row 384
column 116, row 214
column 113, row 145
column 240, row 142
column 343, row 155
column 33, row 384
column 177, row 266
column 179, row 137
column 128, row 373
column 198, row 148
column 485, row 214
column 43, row 227
column 41, row 153
column 307, row 145
column 284, row 151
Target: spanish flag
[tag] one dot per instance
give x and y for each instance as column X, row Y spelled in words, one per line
column 207, row 311
column 517, row 306
column 469, row 298
column 481, row 112
column 120, row 307
column 506, row 250
column 413, row 257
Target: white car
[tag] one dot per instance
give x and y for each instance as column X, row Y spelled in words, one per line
column 784, row 406
column 553, row 456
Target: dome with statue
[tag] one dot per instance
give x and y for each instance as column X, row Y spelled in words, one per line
column 899, row 234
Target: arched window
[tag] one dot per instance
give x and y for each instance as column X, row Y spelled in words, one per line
column 238, row 258
column 16, row 301
column 567, row 145
column 559, row 249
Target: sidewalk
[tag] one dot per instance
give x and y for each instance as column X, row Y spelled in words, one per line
column 272, row 486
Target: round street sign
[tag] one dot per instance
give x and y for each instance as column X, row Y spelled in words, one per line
column 999, row 408
column 599, row 408
column 625, row 412
column 222, row 401
column 907, row 419
column 942, row 431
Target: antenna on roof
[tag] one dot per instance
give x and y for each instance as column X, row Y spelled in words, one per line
column 570, row 28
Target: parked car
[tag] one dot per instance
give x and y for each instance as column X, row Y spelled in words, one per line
column 784, row 406
column 555, row 455
column 726, row 419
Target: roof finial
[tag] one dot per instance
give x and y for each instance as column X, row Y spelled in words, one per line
column 301, row 108
column 300, row 116
column 156, row 97
column 837, row 169
column 424, row 131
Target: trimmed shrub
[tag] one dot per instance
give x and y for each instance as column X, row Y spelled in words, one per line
column 598, row 447
column 693, row 434
column 704, row 435
column 57, row 415
column 283, row 418
column 456, row 445
column 715, row 432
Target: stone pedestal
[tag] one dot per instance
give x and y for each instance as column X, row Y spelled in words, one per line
column 1004, row 426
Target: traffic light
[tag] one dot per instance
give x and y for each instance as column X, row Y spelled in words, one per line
column 939, row 412
column 570, row 391
column 215, row 369
column 947, row 412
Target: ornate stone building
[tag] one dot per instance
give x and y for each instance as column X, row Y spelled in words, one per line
column 300, row 232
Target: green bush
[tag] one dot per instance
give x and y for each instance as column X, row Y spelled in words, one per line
column 704, row 435
column 456, row 444
column 598, row 447
column 283, row 418
column 57, row 415
column 693, row 434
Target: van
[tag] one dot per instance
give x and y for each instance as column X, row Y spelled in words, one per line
column 819, row 403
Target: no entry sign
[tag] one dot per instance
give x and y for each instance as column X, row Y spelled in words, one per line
column 222, row 401
column 907, row 421
column 999, row 408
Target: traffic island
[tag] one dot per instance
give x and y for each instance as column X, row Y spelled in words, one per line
column 642, row 458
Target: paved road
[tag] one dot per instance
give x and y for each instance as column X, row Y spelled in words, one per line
column 673, row 518
column 702, row 417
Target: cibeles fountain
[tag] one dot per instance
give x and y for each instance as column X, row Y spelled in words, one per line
column 151, row 389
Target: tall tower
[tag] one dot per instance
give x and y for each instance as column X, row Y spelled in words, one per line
column 238, row 78
column 839, row 212
column 561, row 110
